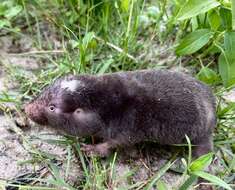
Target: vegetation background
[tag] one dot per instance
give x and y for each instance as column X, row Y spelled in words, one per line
column 102, row 36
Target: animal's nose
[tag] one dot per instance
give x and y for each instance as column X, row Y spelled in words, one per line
column 28, row 109
column 35, row 112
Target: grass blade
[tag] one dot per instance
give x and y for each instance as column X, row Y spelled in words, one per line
column 215, row 180
column 160, row 173
column 188, row 182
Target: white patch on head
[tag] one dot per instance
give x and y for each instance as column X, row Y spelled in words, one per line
column 71, row 85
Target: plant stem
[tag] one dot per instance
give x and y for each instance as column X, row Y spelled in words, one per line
column 129, row 20
column 233, row 14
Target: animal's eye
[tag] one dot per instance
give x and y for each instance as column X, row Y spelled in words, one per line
column 78, row 110
column 52, row 108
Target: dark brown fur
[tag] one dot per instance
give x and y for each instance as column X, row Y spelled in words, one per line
column 126, row 108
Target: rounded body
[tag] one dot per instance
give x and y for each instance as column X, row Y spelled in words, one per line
column 130, row 107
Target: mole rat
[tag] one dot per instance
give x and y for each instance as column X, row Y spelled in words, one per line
column 126, row 108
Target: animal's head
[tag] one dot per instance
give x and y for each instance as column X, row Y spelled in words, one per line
column 63, row 105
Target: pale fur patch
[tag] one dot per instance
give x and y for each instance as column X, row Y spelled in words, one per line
column 209, row 112
column 71, row 85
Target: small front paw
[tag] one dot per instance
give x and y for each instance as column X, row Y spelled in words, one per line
column 102, row 150
column 95, row 150
column 88, row 149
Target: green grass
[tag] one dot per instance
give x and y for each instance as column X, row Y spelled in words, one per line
column 103, row 36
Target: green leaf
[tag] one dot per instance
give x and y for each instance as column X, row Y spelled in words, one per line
column 74, row 43
column 211, row 178
column 212, row 49
column 201, row 162
column 195, row 24
column 195, row 7
column 13, row 11
column 86, row 41
column 226, row 18
column 4, row 22
column 229, row 42
column 158, row 175
column 153, row 11
column 233, row 14
column 194, row 41
column 214, row 19
column 3, row 9
column 227, row 68
column 230, row 107
column 207, row 75
column 227, row 60
column 202, row 21
column 125, row 5
column 188, row 182
column 105, row 66
column 86, row 172
column 161, row 185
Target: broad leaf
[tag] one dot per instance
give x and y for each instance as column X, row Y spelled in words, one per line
column 227, row 68
column 208, row 76
column 227, row 60
column 229, row 41
column 211, row 178
column 13, row 11
column 214, row 19
column 194, row 41
column 226, row 18
column 195, row 7
column 201, row 163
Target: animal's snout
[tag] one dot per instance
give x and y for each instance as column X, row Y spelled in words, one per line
column 36, row 113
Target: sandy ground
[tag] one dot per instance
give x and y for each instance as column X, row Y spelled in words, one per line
column 13, row 152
